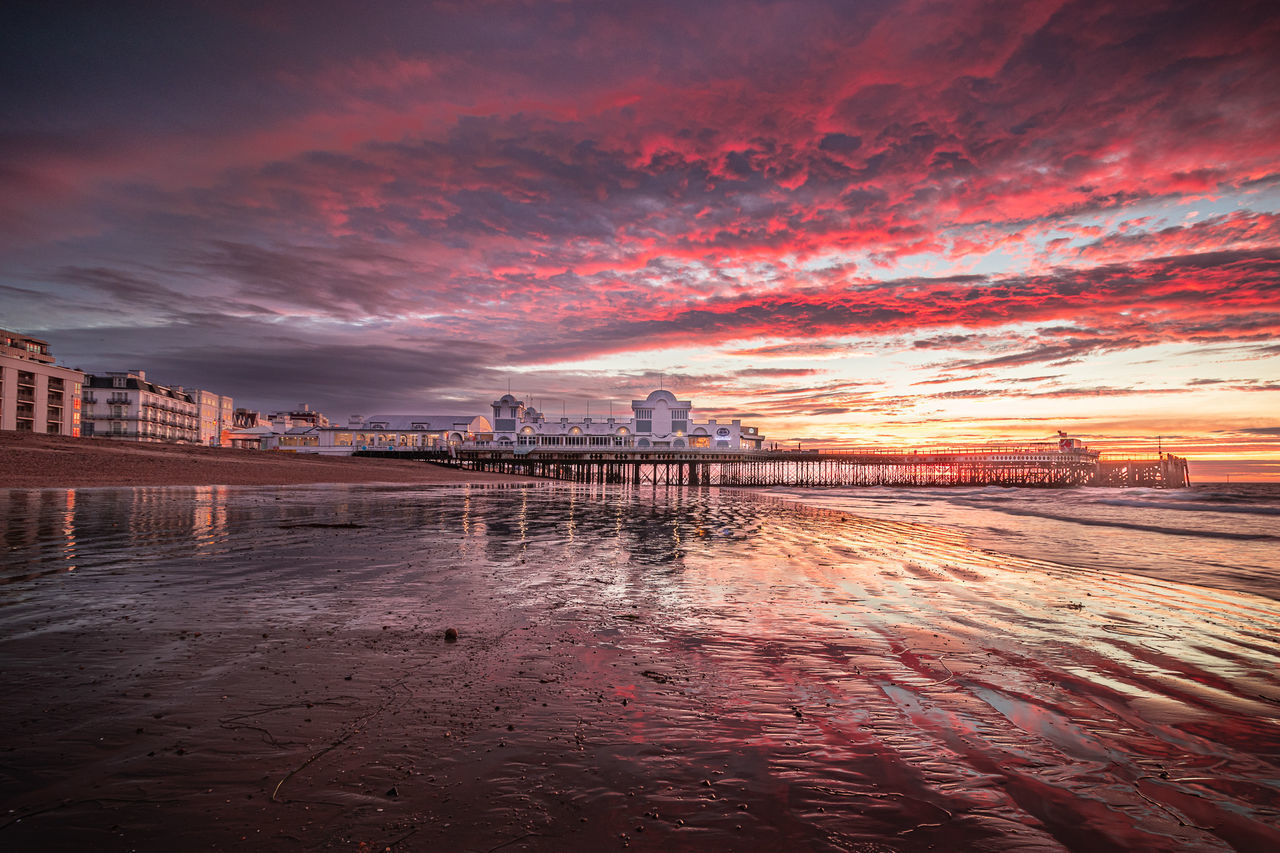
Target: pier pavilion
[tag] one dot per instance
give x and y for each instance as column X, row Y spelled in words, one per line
column 658, row 422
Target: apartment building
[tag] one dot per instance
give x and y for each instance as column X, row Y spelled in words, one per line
column 36, row 395
column 304, row 415
column 217, row 415
column 129, row 407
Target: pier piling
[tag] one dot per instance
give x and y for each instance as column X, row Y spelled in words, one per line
column 792, row 468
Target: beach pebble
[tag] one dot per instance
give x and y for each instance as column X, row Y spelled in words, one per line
column 393, row 792
column 451, row 635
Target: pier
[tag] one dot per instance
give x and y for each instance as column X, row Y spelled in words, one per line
column 925, row 468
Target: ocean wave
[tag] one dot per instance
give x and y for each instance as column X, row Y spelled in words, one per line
column 1245, row 509
column 1147, row 528
column 1209, row 540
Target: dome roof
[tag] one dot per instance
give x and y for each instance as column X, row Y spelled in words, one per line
column 660, row 395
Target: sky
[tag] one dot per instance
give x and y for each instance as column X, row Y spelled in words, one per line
column 848, row 223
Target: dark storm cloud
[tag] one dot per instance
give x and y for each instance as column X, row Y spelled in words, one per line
column 266, row 367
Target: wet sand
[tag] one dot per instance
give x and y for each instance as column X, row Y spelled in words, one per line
column 267, row 669
column 29, row 461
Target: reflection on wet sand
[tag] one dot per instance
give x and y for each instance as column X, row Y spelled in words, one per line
column 664, row 669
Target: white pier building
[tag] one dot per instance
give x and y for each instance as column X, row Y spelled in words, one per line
column 656, row 422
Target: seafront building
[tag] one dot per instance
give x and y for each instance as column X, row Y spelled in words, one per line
column 289, row 430
column 304, row 415
column 37, row 395
column 216, row 416
column 128, row 407
column 658, row 421
column 395, row 432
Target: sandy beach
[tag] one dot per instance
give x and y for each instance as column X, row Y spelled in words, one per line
column 29, row 461
column 236, row 668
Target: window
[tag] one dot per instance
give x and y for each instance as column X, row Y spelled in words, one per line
column 644, row 413
column 644, row 426
column 118, row 382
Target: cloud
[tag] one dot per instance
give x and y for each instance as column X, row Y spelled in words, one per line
column 776, row 372
column 459, row 193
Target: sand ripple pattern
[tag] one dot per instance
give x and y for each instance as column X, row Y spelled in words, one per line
column 675, row 669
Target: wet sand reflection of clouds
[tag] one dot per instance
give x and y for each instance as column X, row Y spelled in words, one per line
column 752, row 672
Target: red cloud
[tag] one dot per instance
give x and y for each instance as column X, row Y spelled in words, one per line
column 1212, row 297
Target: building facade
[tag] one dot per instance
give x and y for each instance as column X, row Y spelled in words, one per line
column 128, row 407
column 216, row 416
column 659, row 421
column 304, row 415
column 394, row 432
column 37, row 395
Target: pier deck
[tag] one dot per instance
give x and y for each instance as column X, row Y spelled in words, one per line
column 796, row 468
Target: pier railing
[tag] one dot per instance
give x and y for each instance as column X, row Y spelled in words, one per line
column 1009, row 466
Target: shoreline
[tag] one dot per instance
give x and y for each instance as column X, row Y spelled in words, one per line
column 662, row 671
column 31, row 461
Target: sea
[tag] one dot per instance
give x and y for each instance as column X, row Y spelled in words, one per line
column 656, row 668
column 1222, row 535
